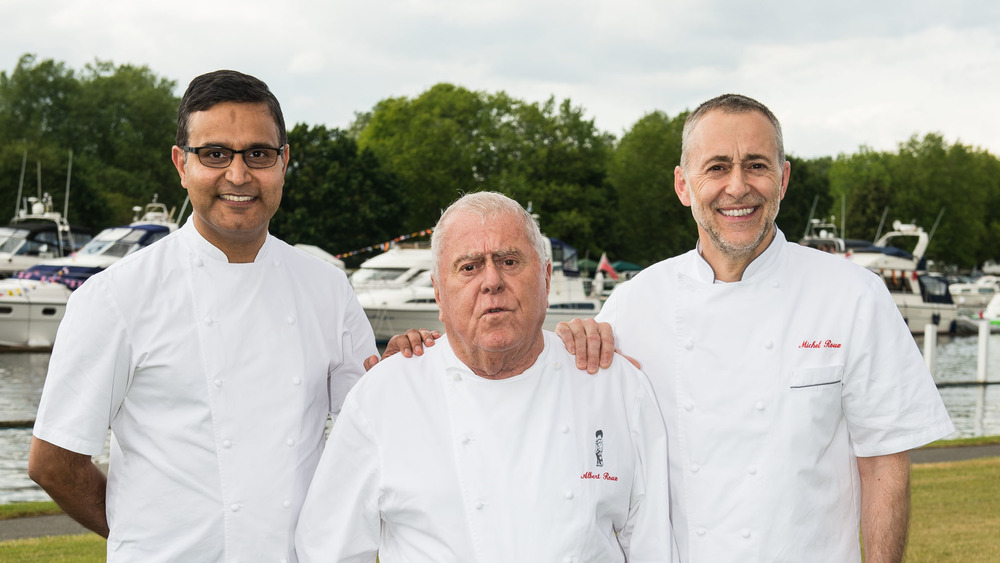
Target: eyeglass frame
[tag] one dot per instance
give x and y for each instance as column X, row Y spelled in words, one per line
column 194, row 151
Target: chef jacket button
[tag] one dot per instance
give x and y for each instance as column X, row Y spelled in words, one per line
column 701, row 531
column 227, row 444
column 208, row 321
column 776, row 284
column 290, row 442
column 217, row 382
column 479, row 505
column 287, row 504
column 291, row 320
column 557, row 365
column 466, row 440
column 695, row 468
column 689, row 345
column 752, row 470
column 198, row 262
column 296, row 381
column 456, row 377
column 769, row 344
column 759, row 405
column 277, row 263
column 564, row 429
column 689, row 406
column 568, row 559
column 234, row 507
column 745, row 533
column 568, row 495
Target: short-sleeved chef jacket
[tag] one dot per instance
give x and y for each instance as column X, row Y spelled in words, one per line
column 429, row 462
column 217, row 380
column 770, row 387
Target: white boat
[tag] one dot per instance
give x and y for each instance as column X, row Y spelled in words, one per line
column 396, row 293
column 35, row 234
column 975, row 295
column 922, row 298
column 33, row 303
column 395, row 268
column 992, row 313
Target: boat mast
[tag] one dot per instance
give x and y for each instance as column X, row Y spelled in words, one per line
column 69, row 174
column 20, row 184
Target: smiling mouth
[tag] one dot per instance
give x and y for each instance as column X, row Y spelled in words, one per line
column 742, row 212
column 237, row 198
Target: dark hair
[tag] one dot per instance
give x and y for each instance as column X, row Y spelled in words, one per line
column 731, row 103
column 213, row 88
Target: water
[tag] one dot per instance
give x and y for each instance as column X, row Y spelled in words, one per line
column 975, row 409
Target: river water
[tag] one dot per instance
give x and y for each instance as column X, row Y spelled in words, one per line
column 975, row 409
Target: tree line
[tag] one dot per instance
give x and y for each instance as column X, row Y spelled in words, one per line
column 393, row 169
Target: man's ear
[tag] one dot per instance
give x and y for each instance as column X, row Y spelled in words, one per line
column 681, row 186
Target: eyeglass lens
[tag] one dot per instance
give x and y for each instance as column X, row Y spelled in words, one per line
column 221, row 157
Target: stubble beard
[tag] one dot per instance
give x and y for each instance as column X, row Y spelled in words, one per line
column 738, row 252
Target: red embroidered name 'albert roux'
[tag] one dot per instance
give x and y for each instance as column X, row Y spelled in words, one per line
column 606, row 476
column 819, row 344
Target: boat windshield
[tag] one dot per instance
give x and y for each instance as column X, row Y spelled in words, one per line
column 369, row 275
column 11, row 239
column 117, row 241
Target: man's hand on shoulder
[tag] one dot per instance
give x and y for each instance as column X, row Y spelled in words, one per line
column 410, row 343
column 592, row 343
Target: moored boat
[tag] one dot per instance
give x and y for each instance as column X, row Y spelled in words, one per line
column 33, row 303
column 923, row 298
column 35, row 234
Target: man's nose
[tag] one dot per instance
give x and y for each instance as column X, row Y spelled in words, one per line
column 238, row 173
column 492, row 278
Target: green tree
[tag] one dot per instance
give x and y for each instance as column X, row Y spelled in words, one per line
column 119, row 123
column 651, row 223
column 450, row 140
column 809, row 183
column 336, row 196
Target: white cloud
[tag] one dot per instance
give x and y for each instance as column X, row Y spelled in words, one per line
column 838, row 75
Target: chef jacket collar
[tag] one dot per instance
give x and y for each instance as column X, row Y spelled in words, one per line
column 702, row 271
column 209, row 250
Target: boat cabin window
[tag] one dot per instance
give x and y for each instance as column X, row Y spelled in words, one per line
column 367, row 275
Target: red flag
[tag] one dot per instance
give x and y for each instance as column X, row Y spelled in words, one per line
column 604, row 266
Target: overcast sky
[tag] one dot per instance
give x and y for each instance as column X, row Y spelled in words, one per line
column 837, row 74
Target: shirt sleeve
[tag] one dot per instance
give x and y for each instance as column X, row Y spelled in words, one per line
column 357, row 343
column 890, row 400
column 340, row 518
column 89, row 372
column 647, row 535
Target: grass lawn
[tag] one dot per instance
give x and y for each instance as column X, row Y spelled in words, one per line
column 956, row 512
column 955, row 517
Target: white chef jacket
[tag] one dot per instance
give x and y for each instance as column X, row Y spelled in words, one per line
column 429, row 462
column 770, row 387
column 216, row 380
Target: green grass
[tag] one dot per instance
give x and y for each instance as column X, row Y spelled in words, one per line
column 22, row 509
column 956, row 512
column 955, row 517
column 89, row 548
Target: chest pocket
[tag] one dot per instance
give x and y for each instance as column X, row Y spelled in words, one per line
column 822, row 376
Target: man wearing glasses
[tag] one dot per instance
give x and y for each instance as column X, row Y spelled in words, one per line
column 214, row 356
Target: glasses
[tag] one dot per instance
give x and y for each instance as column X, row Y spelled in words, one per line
column 222, row 157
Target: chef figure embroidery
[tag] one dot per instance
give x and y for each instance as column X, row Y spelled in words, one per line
column 599, row 448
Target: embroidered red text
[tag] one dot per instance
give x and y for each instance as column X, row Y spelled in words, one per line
column 819, row 344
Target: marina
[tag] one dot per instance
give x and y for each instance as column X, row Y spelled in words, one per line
column 974, row 408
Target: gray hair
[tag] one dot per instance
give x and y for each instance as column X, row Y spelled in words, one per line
column 486, row 205
column 731, row 103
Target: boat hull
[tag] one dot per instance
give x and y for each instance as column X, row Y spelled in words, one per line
column 30, row 313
